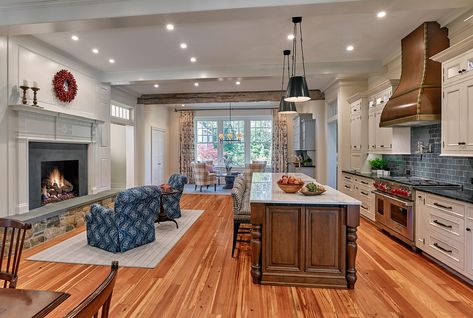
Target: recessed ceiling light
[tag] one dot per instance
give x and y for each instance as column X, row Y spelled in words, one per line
column 75, row 38
column 111, row 61
column 183, row 105
column 381, row 14
column 290, row 37
column 238, row 83
column 350, row 48
column 170, row 27
column 193, row 59
column 95, row 51
column 156, row 85
column 183, row 46
column 196, row 84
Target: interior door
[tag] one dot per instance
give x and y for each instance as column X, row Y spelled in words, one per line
column 157, row 156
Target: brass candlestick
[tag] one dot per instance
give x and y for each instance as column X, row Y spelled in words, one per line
column 24, row 88
column 35, row 99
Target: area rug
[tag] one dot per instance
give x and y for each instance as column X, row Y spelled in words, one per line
column 190, row 189
column 76, row 251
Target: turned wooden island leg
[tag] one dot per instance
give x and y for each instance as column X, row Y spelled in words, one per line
column 353, row 220
column 257, row 215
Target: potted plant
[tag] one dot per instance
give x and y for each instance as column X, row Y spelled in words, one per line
column 227, row 159
column 377, row 164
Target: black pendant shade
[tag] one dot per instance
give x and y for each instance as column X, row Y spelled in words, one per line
column 287, row 107
column 297, row 90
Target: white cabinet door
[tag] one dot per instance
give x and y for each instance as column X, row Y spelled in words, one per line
column 372, row 131
column 420, row 220
column 451, row 118
column 355, row 131
column 469, row 248
column 384, row 135
column 467, row 115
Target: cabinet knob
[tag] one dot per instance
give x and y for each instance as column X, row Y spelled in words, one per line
column 468, row 229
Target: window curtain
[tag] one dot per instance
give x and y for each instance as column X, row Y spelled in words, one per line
column 279, row 150
column 187, row 154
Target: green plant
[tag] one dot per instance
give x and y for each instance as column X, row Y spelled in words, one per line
column 378, row 164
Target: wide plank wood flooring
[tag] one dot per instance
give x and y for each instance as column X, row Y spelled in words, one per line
column 199, row 278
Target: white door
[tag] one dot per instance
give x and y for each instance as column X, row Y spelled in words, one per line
column 157, row 156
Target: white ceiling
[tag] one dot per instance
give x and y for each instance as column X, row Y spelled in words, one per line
column 247, row 44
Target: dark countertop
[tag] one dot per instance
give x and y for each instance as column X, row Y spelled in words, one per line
column 361, row 174
column 464, row 195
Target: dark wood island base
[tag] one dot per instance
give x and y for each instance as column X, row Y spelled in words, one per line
column 304, row 245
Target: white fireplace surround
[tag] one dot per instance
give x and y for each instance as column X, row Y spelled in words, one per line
column 29, row 123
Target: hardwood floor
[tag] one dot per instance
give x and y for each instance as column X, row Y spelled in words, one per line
column 199, row 278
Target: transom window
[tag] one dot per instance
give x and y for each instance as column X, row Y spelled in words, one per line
column 251, row 139
column 121, row 112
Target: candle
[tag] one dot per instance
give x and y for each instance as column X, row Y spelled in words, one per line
column 35, row 84
column 25, row 83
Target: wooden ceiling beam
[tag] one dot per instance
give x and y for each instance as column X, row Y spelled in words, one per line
column 234, row 97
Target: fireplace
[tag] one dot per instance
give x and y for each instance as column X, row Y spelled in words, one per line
column 57, row 172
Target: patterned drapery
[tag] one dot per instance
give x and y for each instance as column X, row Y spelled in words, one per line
column 187, row 154
column 279, row 150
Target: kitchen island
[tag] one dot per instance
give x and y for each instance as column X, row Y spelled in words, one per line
column 299, row 240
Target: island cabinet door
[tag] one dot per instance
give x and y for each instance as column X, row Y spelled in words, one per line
column 325, row 242
column 282, row 239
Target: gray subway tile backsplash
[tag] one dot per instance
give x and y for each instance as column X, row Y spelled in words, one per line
column 431, row 165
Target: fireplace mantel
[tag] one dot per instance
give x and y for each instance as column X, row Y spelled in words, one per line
column 52, row 113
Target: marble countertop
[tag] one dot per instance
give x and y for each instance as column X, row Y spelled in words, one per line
column 264, row 189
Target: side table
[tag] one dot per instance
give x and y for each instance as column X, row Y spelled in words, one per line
column 162, row 216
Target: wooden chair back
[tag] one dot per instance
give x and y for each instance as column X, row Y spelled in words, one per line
column 99, row 300
column 12, row 234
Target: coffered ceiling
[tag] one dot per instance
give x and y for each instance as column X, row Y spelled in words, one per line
column 231, row 40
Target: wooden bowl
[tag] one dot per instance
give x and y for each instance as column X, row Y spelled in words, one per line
column 290, row 188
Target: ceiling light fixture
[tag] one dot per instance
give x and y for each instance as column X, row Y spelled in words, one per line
column 156, row 85
column 183, row 46
column 237, row 83
column 111, row 61
column 350, row 48
column 297, row 90
column 381, row 14
column 95, row 51
column 183, row 105
column 75, row 38
column 193, row 59
column 290, row 37
column 170, row 27
column 284, row 106
column 196, row 84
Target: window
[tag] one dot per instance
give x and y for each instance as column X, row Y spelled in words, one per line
column 206, row 140
column 255, row 142
column 235, row 150
column 261, row 133
column 121, row 112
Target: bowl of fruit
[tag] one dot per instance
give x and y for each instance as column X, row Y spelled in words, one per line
column 290, row 184
column 312, row 188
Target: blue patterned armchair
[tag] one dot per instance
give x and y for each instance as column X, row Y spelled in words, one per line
column 129, row 225
column 171, row 202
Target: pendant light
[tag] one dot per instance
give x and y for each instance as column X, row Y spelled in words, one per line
column 229, row 135
column 297, row 90
column 284, row 106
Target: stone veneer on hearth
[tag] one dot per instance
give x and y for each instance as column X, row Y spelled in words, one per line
column 431, row 165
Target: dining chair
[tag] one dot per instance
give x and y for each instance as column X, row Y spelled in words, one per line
column 13, row 239
column 99, row 300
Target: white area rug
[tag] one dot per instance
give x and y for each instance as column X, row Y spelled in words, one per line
column 75, row 250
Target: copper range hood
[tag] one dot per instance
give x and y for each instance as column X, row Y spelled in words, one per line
column 417, row 99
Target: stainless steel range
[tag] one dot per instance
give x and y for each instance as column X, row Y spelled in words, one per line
column 395, row 197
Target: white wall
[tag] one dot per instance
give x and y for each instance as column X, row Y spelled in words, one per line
column 118, row 155
column 148, row 116
column 28, row 59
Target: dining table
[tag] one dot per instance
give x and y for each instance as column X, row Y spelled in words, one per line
column 27, row 303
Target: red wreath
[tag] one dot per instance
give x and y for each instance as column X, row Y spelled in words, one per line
column 65, row 86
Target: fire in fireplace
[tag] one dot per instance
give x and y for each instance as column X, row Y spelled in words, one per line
column 59, row 181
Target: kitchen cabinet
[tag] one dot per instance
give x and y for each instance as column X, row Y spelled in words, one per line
column 444, row 231
column 310, row 171
column 385, row 140
column 457, row 116
column 360, row 188
column 358, row 130
column 457, row 98
column 304, row 132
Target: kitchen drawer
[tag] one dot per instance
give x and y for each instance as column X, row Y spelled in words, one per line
column 365, row 182
column 450, row 206
column 348, row 177
column 368, row 213
column 446, row 250
column 446, row 224
column 349, row 188
column 469, row 212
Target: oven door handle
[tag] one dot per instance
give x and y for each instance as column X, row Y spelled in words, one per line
column 403, row 203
